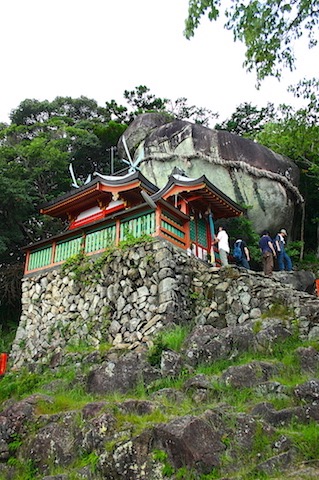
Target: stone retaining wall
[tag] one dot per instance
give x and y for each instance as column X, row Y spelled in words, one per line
column 136, row 293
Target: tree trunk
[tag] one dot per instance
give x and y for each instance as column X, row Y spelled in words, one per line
column 302, row 230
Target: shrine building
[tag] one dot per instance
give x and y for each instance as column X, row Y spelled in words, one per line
column 108, row 209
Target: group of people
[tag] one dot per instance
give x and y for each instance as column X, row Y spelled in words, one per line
column 274, row 249
column 270, row 249
column 222, row 241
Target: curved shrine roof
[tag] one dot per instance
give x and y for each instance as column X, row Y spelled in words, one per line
column 200, row 194
column 100, row 191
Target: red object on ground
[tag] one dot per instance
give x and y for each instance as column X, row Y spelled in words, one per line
column 317, row 286
column 3, row 362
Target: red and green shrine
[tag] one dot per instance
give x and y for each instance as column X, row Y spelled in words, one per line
column 106, row 210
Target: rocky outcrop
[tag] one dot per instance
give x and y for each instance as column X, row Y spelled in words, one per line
column 179, row 417
column 189, row 430
column 247, row 172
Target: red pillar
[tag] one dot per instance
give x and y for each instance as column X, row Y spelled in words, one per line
column 3, row 363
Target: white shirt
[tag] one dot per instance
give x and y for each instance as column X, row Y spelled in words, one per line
column 223, row 240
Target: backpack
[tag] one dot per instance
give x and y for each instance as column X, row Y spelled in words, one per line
column 277, row 238
column 237, row 253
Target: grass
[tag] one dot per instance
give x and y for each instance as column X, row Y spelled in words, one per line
column 75, row 399
column 278, row 310
column 138, row 423
column 80, row 347
column 241, row 399
column 25, row 470
column 175, row 337
column 170, row 339
column 88, row 459
column 305, row 438
column 17, row 385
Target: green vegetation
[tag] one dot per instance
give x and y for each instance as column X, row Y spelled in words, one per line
column 241, row 227
column 162, row 457
column 69, row 395
column 17, row 385
column 7, row 336
column 294, row 250
column 267, row 31
column 82, row 347
column 74, row 400
column 305, row 439
column 130, row 240
column 139, row 423
column 278, row 310
column 88, row 270
column 43, row 138
column 88, row 459
column 84, row 269
column 15, row 443
column 170, row 339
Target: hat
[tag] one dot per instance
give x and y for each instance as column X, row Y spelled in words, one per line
column 283, row 231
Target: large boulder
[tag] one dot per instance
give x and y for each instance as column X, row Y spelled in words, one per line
column 247, row 172
column 120, row 374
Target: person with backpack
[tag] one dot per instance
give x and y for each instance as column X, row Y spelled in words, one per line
column 284, row 261
column 241, row 254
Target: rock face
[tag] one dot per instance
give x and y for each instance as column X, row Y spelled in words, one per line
column 175, row 421
column 247, row 172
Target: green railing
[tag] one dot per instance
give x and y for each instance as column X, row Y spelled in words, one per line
column 171, row 228
column 100, row 239
column 198, row 231
column 202, row 232
column 67, row 248
column 40, row 258
column 92, row 241
column 138, row 226
column 174, row 226
column 192, row 230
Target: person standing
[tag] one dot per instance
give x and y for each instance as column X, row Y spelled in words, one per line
column 268, row 252
column 223, row 246
column 244, row 258
column 284, row 261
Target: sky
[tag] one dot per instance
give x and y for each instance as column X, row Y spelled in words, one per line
column 99, row 48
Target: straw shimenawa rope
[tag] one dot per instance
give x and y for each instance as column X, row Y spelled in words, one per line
column 234, row 164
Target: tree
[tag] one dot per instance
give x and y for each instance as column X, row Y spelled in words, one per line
column 15, row 202
column 35, row 153
column 180, row 110
column 31, row 111
column 296, row 135
column 248, row 120
column 268, row 29
column 141, row 101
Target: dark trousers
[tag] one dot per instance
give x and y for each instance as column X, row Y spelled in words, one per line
column 268, row 263
column 243, row 263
